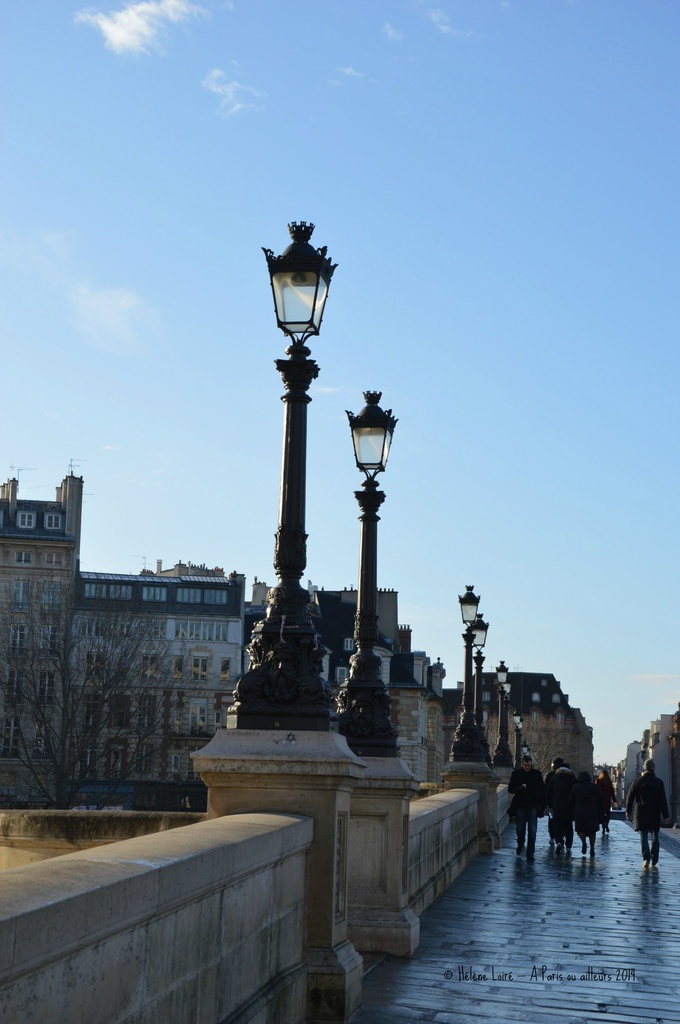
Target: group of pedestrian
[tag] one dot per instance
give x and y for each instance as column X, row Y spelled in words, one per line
column 577, row 804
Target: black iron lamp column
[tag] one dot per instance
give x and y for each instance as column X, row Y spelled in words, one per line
column 502, row 755
column 364, row 701
column 283, row 688
column 479, row 703
column 467, row 745
column 518, row 740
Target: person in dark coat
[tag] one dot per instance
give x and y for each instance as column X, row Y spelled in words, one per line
column 554, row 765
column 608, row 796
column 557, row 799
column 648, row 796
column 528, row 804
column 587, row 808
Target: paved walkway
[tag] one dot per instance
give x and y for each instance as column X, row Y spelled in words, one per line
column 560, row 941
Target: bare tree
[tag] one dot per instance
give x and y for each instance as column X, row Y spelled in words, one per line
column 85, row 693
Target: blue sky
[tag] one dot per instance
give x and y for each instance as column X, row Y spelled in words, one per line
column 497, row 182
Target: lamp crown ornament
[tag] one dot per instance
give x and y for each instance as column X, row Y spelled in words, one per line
column 302, row 231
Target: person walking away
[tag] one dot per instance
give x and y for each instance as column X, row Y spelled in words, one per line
column 557, row 799
column 647, row 796
column 528, row 805
column 606, row 787
column 587, row 808
column 554, row 765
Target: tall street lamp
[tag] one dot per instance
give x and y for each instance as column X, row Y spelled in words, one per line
column 283, row 688
column 467, row 745
column 502, row 755
column 479, row 703
column 517, row 719
column 364, row 701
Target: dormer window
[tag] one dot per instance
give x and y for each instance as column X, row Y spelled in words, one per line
column 555, row 698
column 52, row 520
column 348, row 643
column 536, row 698
column 26, row 520
column 486, row 696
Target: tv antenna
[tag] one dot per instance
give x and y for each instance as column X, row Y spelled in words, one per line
column 143, row 558
column 22, row 469
column 72, row 463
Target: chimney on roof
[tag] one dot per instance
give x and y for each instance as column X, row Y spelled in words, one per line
column 404, row 638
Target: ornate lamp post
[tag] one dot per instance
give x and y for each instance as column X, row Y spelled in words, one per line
column 364, row 702
column 467, row 745
column 517, row 719
column 502, row 755
column 479, row 703
column 283, row 688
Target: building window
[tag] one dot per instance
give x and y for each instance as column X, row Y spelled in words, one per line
column 120, row 712
column 194, row 629
column 26, row 520
column 144, row 759
column 20, row 593
column 486, row 696
column 15, row 684
column 225, row 668
column 198, row 717
column 95, row 590
column 10, row 738
column 348, row 644
column 120, row 591
column 88, row 763
column 215, row 596
column 154, row 593
column 46, row 688
column 52, row 521
column 92, row 708
column 555, row 698
column 199, row 668
column 177, row 723
column 50, row 640
column 17, row 638
column 178, row 666
column 147, row 713
column 149, row 666
column 536, row 698
column 54, row 558
column 116, row 762
column 52, row 595
column 189, row 595
column 219, row 719
column 175, row 763
column 559, row 717
column 154, row 629
column 534, row 716
column 341, row 675
column 23, row 557
column 39, row 741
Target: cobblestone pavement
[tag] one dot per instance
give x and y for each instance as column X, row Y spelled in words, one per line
column 565, row 940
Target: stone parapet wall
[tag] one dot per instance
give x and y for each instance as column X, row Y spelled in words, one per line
column 201, row 923
column 30, row 836
column 442, row 842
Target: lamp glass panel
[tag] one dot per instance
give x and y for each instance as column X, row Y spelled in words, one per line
column 480, row 635
column 295, row 295
column 468, row 609
column 369, row 447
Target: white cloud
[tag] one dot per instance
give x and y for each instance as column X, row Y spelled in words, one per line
column 392, row 34
column 111, row 318
column 233, row 96
column 138, row 27
column 442, row 23
column 350, row 72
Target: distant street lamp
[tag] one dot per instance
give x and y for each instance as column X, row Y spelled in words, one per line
column 479, row 703
column 502, row 755
column 518, row 740
column 467, row 745
column 283, row 688
column 364, row 701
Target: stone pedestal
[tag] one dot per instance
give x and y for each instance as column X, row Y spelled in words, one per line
column 380, row 920
column 306, row 773
column 478, row 775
